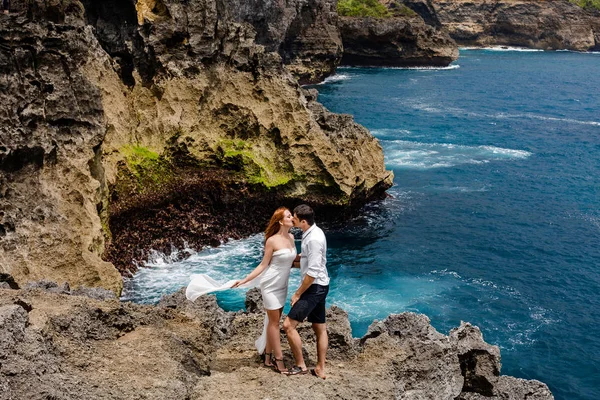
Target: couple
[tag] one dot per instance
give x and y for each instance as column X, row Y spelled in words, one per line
column 309, row 299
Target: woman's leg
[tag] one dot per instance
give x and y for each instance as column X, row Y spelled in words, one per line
column 273, row 337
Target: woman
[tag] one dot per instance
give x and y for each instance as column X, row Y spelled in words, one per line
column 280, row 252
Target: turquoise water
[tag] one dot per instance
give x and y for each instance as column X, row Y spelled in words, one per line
column 495, row 214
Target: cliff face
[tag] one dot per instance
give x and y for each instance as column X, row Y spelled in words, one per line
column 110, row 108
column 549, row 25
column 304, row 32
column 399, row 41
column 56, row 344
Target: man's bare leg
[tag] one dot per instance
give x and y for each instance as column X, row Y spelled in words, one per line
column 322, row 344
column 289, row 326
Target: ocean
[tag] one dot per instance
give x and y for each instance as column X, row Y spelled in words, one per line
column 494, row 217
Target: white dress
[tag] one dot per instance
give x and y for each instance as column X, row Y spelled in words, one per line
column 274, row 280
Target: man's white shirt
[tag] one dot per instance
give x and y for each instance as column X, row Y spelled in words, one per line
column 313, row 261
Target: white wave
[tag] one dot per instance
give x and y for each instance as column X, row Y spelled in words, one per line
column 167, row 273
column 449, row 67
column 416, row 155
column 335, row 78
column 442, row 109
column 423, row 68
column 556, row 119
column 499, row 48
column 579, row 52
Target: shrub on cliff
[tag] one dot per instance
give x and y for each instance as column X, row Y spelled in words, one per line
column 587, row 4
column 362, row 8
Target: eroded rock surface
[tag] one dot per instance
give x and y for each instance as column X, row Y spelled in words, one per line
column 399, row 41
column 549, row 25
column 137, row 125
column 71, row 347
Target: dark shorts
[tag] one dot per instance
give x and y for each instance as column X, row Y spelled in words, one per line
column 311, row 304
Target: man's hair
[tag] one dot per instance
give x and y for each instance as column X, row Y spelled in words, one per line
column 304, row 212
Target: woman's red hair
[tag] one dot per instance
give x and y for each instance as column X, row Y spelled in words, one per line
column 274, row 225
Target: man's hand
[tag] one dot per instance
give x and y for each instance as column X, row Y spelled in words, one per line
column 236, row 284
column 295, row 298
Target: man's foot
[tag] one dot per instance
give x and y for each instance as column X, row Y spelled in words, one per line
column 296, row 370
column 318, row 373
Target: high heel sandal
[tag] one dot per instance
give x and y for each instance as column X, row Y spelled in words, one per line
column 271, row 365
column 276, row 365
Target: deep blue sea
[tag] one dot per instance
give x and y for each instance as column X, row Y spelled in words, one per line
column 494, row 217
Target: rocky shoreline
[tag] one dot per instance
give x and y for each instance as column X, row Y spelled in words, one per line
column 546, row 25
column 59, row 343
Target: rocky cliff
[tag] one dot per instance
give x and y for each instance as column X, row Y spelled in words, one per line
column 62, row 344
column 133, row 125
column 549, row 25
column 405, row 41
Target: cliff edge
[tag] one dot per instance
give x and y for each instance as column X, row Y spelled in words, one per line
column 130, row 125
column 71, row 346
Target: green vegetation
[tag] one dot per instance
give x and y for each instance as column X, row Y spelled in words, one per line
column 238, row 156
column 147, row 167
column 587, row 4
column 362, row 8
column 401, row 10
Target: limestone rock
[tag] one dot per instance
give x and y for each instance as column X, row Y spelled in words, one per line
column 205, row 309
column 549, row 25
column 398, row 41
column 254, row 301
column 304, row 32
column 479, row 361
column 119, row 114
column 75, row 347
column 51, row 122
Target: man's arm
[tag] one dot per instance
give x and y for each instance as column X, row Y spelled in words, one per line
column 306, row 282
column 296, row 262
column 314, row 254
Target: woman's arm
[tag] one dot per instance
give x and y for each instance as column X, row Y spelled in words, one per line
column 261, row 267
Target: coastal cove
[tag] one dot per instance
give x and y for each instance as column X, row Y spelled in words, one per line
column 494, row 218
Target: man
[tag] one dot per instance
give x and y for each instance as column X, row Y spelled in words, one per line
column 309, row 300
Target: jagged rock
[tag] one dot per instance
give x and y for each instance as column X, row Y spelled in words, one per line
column 398, row 41
column 342, row 346
column 304, row 32
column 74, row 347
column 48, row 286
column 426, row 368
column 4, row 285
column 205, row 309
column 479, row 361
column 94, row 293
column 13, row 321
column 430, row 365
column 510, row 388
column 254, row 301
column 549, row 25
column 8, row 280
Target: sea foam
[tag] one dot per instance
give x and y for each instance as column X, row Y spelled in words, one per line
column 416, row 155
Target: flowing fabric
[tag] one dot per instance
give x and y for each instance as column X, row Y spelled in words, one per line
column 273, row 283
column 204, row 284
